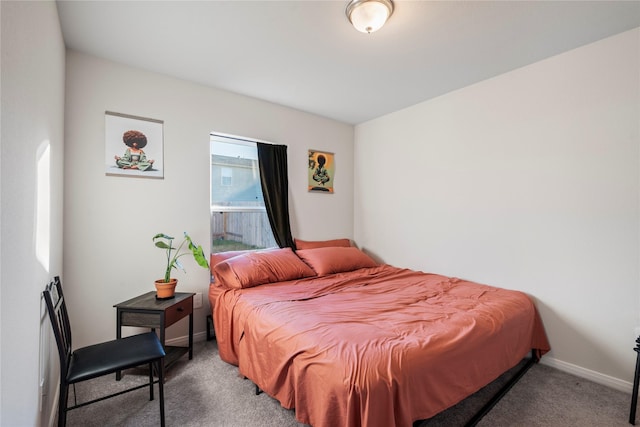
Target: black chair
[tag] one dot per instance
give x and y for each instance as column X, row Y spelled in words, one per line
column 636, row 384
column 100, row 359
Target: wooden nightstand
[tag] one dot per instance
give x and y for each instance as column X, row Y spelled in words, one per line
column 149, row 312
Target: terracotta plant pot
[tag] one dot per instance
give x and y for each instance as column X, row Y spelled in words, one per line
column 166, row 290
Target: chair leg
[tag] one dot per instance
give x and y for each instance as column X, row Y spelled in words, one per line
column 62, row 404
column 161, row 389
column 150, row 380
column 636, row 384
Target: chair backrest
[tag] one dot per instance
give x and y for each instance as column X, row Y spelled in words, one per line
column 59, row 317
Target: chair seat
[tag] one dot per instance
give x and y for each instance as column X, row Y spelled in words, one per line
column 101, row 359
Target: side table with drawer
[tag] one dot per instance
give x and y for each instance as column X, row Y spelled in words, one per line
column 149, row 312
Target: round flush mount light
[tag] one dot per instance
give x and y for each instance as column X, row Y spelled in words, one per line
column 368, row 16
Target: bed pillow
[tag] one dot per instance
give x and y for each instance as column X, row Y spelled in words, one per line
column 260, row 267
column 335, row 260
column 218, row 257
column 312, row 244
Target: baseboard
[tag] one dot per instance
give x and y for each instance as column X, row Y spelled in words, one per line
column 184, row 340
column 53, row 418
column 588, row 374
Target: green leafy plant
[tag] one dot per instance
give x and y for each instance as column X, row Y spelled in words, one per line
column 165, row 242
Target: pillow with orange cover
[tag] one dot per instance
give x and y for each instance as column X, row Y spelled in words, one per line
column 335, row 260
column 312, row 244
column 260, row 267
column 218, row 257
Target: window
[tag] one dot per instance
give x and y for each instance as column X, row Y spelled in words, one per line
column 238, row 216
column 226, row 176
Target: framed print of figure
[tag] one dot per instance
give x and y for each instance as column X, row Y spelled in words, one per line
column 133, row 146
column 321, row 171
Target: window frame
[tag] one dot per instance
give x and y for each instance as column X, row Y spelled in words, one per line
column 239, row 140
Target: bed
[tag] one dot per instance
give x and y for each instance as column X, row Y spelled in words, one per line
column 350, row 342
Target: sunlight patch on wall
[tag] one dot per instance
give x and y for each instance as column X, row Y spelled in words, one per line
column 43, row 205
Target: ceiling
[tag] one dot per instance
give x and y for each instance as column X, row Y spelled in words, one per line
column 306, row 55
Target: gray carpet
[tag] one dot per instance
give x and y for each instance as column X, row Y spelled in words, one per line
column 209, row 392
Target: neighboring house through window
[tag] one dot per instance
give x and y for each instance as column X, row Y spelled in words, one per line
column 238, row 216
column 226, row 178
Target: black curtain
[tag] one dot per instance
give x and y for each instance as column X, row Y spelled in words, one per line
column 272, row 160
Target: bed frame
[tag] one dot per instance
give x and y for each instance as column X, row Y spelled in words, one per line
column 527, row 363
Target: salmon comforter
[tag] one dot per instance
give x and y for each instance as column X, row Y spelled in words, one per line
column 379, row 346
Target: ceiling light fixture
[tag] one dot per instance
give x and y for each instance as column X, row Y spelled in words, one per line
column 368, row 16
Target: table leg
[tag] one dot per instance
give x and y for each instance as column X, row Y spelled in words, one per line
column 118, row 336
column 191, row 335
column 161, row 330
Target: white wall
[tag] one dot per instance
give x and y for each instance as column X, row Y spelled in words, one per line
column 110, row 221
column 529, row 181
column 33, row 61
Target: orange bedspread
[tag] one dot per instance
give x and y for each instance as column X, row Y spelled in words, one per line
column 379, row 346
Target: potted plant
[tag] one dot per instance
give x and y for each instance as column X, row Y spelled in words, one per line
column 165, row 287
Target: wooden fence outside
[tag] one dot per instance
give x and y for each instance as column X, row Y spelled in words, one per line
column 250, row 228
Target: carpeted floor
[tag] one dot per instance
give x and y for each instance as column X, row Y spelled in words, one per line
column 209, row 392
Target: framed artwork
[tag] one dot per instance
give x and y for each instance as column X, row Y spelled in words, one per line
column 133, row 146
column 321, row 171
